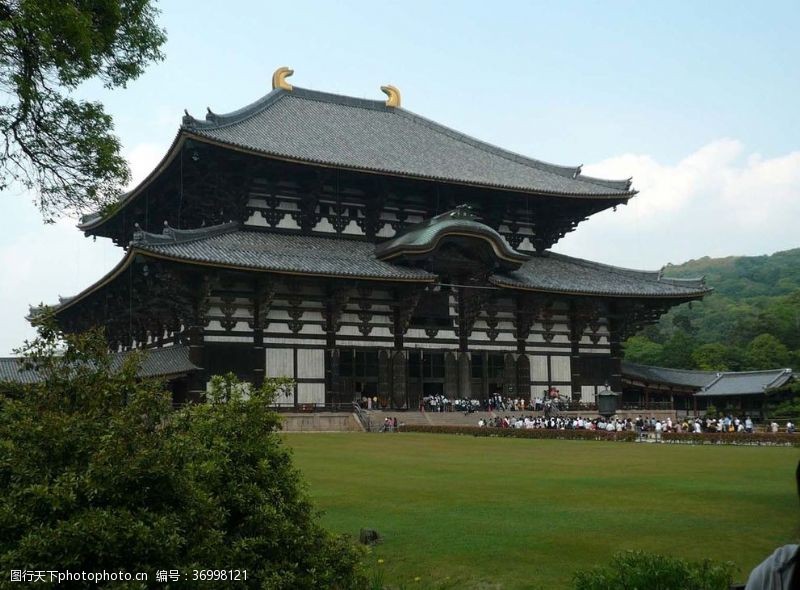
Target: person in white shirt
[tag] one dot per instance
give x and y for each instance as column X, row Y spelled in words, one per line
column 659, row 429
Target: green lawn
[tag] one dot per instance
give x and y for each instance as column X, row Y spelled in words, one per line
column 464, row 512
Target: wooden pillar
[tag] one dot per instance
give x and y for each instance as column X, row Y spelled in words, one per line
column 385, row 382
column 400, row 396
column 197, row 380
column 509, row 375
column 259, row 360
column 615, row 344
column 451, row 389
column 524, row 376
column 464, row 376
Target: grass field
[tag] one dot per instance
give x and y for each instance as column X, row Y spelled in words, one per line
column 464, row 512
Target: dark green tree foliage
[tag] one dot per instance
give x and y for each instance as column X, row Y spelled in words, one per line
column 753, row 297
column 61, row 147
column 636, row 570
column 97, row 471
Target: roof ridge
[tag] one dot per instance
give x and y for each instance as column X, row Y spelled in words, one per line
column 673, row 369
column 755, row 372
column 654, row 275
column 171, row 235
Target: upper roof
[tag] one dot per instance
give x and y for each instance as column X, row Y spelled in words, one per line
column 156, row 362
column 328, row 129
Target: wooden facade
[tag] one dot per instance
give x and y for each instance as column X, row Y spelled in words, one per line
column 270, row 265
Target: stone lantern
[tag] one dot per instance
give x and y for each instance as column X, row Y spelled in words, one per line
column 607, row 403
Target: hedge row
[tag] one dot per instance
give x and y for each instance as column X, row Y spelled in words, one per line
column 733, row 438
column 540, row 433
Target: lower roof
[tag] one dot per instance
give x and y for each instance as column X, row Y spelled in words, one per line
column 156, row 362
column 232, row 246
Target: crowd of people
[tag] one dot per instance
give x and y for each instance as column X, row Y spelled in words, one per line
column 643, row 426
column 495, row 403
column 557, row 423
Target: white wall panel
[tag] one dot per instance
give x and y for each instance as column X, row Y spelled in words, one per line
column 538, row 368
column 280, row 362
column 311, row 393
column 310, row 364
column 560, row 368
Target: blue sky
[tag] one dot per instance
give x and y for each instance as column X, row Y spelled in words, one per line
column 696, row 101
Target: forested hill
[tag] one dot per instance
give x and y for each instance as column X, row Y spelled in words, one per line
column 751, row 321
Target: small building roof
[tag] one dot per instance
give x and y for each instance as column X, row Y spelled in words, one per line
column 666, row 376
column 322, row 128
column 156, row 362
column 710, row 383
column 746, row 383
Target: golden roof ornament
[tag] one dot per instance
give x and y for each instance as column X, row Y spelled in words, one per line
column 279, row 78
column 393, row 95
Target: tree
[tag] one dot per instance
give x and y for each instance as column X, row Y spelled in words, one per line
column 767, row 352
column 640, row 349
column 98, row 472
column 58, row 146
column 712, row 357
column 678, row 351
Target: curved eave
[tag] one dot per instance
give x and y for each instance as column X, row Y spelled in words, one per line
column 499, row 282
column 184, row 134
column 123, row 265
column 622, row 195
column 127, row 198
column 497, row 248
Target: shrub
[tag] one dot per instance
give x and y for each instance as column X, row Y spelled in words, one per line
column 733, row 438
column 631, row 570
column 98, row 472
column 539, row 433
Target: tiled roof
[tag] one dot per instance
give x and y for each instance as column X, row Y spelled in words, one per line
column 322, row 128
column 746, row 383
column 289, row 253
column 316, row 255
column 710, row 383
column 564, row 274
column 681, row 377
column 157, row 362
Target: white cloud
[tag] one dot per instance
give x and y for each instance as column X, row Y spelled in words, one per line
column 143, row 158
column 717, row 201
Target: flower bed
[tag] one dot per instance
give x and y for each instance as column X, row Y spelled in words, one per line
column 540, row 433
column 732, row 438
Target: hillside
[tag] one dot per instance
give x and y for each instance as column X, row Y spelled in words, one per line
column 751, row 321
